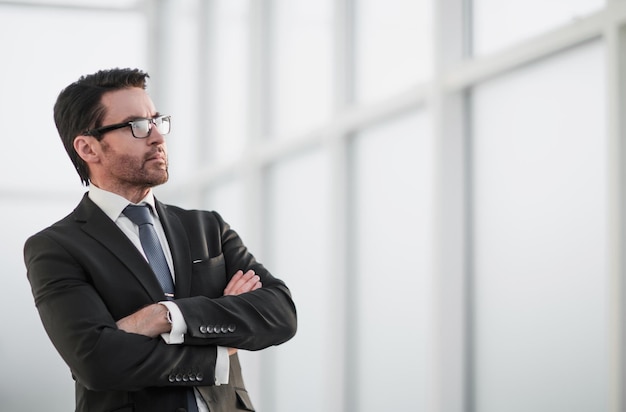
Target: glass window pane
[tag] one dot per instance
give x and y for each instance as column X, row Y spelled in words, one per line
column 32, row 349
column 393, row 46
column 300, row 255
column 36, row 69
column 229, row 89
column 540, row 266
column 228, row 199
column 175, row 90
column 302, row 71
column 393, row 264
column 498, row 23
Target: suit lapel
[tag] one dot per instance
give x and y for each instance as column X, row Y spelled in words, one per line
column 98, row 225
column 180, row 248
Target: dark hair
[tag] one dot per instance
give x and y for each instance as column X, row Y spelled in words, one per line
column 78, row 107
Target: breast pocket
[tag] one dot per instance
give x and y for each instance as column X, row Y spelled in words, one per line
column 209, row 277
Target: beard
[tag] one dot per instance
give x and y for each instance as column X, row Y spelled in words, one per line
column 142, row 172
column 137, row 171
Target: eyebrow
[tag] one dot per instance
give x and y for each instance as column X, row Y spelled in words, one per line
column 133, row 118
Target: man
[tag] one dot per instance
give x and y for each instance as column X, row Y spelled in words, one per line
column 147, row 314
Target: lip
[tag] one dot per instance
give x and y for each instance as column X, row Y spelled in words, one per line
column 157, row 157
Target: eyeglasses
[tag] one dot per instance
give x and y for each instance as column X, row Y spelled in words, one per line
column 140, row 128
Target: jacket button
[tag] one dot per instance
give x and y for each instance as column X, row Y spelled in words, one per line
column 199, row 377
column 209, row 329
column 171, row 377
column 232, row 328
column 203, row 329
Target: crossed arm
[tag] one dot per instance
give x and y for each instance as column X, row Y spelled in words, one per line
column 152, row 320
column 88, row 327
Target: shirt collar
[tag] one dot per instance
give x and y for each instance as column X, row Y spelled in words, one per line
column 113, row 204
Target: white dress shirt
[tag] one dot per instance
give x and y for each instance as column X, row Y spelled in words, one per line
column 113, row 205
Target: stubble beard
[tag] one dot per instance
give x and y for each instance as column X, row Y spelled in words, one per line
column 129, row 172
column 146, row 176
column 140, row 173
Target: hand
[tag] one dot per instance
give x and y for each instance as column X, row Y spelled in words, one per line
column 149, row 321
column 241, row 283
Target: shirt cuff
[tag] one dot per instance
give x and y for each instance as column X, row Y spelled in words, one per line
column 222, row 366
column 179, row 326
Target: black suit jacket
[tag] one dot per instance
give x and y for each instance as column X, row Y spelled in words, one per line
column 85, row 274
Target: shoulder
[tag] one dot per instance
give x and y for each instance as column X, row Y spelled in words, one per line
column 186, row 213
column 191, row 217
column 51, row 238
column 70, row 225
column 67, row 223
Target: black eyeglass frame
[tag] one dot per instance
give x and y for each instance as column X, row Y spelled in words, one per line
column 98, row 132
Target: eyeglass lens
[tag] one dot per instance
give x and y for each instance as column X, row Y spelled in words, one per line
column 141, row 128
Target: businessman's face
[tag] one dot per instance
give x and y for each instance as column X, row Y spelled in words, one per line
column 123, row 162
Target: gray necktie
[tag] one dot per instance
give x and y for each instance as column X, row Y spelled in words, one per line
column 141, row 216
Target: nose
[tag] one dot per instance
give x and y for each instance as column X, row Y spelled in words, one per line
column 155, row 137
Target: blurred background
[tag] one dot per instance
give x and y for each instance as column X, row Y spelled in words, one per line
column 441, row 183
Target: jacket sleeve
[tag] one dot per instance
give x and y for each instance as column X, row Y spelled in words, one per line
column 251, row 321
column 84, row 332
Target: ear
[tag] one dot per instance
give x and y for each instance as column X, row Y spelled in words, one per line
column 86, row 147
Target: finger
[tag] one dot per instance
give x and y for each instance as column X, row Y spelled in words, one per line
column 243, row 280
column 253, row 284
column 249, row 284
column 244, row 284
column 232, row 285
column 238, row 283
